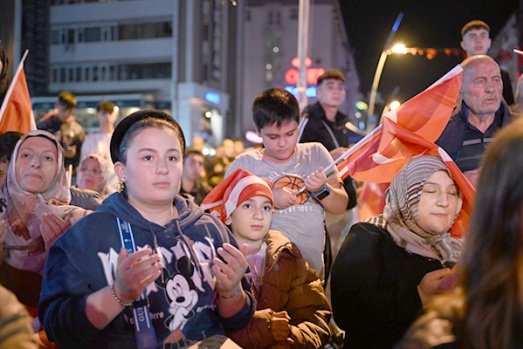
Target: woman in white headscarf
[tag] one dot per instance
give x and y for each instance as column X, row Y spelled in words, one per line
column 94, row 173
column 36, row 212
column 387, row 268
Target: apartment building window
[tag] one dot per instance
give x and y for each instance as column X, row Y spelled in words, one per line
column 92, row 34
column 95, row 73
column 70, row 36
column 109, row 72
column 144, row 31
column 145, row 71
column 62, row 74
column 55, row 37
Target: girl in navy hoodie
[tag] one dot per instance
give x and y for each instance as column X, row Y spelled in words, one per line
column 186, row 265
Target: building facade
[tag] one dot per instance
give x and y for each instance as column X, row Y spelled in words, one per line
column 203, row 61
column 165, row 54
column 270, row 50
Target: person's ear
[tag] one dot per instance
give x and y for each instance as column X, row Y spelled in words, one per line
column 463, row 46
column 119, row 170
column 228, row 221
column 489, row 43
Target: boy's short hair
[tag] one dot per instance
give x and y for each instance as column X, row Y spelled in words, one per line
column 67, row 99
column 105, row 106
column 331, row 74
column 275, row 106
column 475, row 24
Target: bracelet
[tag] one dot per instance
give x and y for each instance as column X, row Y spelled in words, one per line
column 118, row 299
column 238, row 290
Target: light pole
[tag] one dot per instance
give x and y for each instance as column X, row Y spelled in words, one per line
column 381, row 64
column 303, row 47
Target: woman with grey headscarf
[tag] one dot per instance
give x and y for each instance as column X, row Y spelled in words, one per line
column 388, row 267
column 94, row 173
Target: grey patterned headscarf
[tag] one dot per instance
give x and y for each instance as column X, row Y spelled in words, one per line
column 400, row 215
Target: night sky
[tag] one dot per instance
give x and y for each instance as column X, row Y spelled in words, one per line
column 426, row 23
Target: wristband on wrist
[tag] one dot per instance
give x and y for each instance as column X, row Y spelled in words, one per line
column 118, row 299
column 322, row 193
column 238, row 290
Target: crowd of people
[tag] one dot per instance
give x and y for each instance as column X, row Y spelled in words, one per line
column 127, row 237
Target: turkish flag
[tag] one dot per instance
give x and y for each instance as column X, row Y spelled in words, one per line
column 371, row 199
column 380, row 164
column 408, row 132
column 16, row 113
column 379, row 156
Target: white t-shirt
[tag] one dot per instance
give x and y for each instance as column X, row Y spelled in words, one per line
column 97, row 142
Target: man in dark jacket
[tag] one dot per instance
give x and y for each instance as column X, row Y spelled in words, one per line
column 478, row 117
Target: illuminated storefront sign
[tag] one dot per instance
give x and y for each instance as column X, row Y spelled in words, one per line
column 212, row 97
column 311, row 74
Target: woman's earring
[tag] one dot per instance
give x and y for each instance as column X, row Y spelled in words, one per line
column 122, row 183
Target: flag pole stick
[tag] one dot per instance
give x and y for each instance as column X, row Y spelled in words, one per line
column 349, row 151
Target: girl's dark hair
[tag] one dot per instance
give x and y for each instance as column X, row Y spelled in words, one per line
column 132, row 124
column 275, row 106
column 491, row 259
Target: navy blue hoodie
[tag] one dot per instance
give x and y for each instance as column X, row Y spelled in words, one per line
column 84, row 260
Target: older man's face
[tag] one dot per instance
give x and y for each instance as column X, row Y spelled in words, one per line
column 482, row 88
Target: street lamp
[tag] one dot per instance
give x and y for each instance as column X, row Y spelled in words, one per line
column 398, row 48
column 381, row 64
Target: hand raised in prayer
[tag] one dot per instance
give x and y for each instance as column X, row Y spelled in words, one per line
column 134, row 272
column 230, row 270
column 52, row 227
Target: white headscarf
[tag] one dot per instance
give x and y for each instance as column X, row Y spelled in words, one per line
column 25, row 244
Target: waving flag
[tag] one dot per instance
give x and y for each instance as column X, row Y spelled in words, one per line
column 371, row 199
column 16, row 113
column 408, row 132
column 379, row 156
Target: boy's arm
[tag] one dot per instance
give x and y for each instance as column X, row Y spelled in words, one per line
column 336, row 201
column 330, row 194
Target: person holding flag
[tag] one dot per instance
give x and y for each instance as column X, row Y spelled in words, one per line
column 388, row 268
